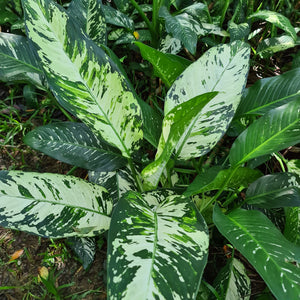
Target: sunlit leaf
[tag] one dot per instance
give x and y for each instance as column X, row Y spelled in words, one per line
column 157, row 247
column 53, row 205
column 82, row 77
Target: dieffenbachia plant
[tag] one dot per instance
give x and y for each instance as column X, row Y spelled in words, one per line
column 157, row 238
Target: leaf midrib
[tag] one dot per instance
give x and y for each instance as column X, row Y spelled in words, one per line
column 246, row 158
column 54, row 203
column 261, row 247
column 82, row 80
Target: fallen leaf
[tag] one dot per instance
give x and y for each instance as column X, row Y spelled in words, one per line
column 43, row 273
column 16, row 254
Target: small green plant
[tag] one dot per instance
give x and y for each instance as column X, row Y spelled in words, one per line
column 158, row 237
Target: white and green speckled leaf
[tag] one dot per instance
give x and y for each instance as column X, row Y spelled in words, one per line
column 232, row 282
column 117, row 183
column 84, row 248
column 75, row 144
column 157, row 247
column 116, row 17
column 274, row 257
column 277, row 19
column 90, row 18
column 82, row 77
column 223, row 68
column 17, row 61
column 177, row 126
column 53, row 205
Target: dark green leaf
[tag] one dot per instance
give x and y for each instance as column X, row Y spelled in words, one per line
column 272, row 132
column 275, row 190
column 75, row 144
column 269, row 93
column 264, row 246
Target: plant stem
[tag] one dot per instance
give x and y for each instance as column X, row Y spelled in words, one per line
column 144, row 17
column 220, row 191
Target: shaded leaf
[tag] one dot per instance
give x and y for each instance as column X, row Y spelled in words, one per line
column 277, row 130
column 232, row 281
column 116, row 17
column 53, row 205
column 268, row 47
column 75, row 144
column 275, row 190
column 85, row 249
column 157, row 247
column 263, row 245
column 17, row 61
column 277, row 19
column 117, row 183
column 292, row 225
column 215, row 178
column 182, row 27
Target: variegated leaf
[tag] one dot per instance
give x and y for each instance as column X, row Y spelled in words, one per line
column 223, row 68
column 17, row 61
column 53, row 205
column 117, row 183
column 85, row 249
column 274, row 257
column 82, row 77
column 90, row 18
column 177, row 125
column 75, row 144
column 115, row 17
column 232, row 282
column 157, row 247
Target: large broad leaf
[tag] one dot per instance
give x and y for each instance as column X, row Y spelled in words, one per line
column 232, row 282
column 117, row 183
column 90, row 18
column 263, row 245
column 223, row 68
column 53, row 205
column 275, row 190
column 292, row 225
column 215, row 178
column 277, row 19
column 166, row 66
column 17, row 61
column 75, row 144
column 82, row 77
column 157, row 247
column 274, row 131
column 269, row 93
column 177, row 125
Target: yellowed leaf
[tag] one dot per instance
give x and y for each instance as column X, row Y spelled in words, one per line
column 16, row 254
